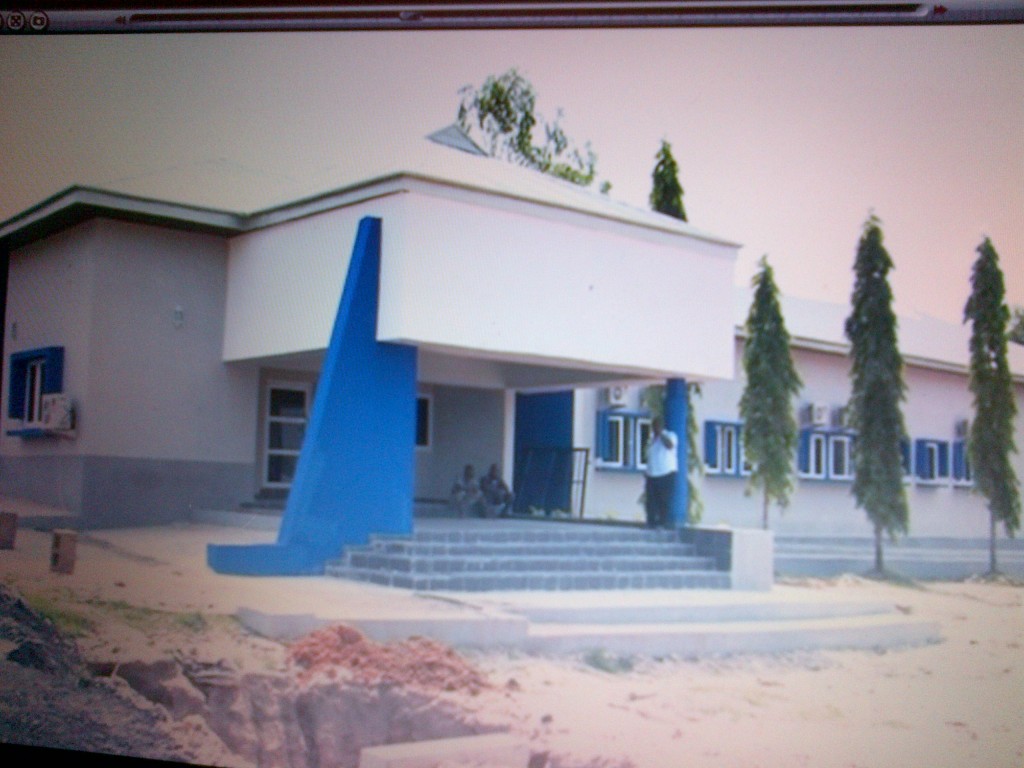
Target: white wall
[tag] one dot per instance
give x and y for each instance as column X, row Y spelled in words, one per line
column 143, row 388
column 157, row 390
column 467, row 428
column 55, row 274
column 284, row 282
column 565, row 289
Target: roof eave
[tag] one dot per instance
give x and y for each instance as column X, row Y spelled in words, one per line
column 77, row 204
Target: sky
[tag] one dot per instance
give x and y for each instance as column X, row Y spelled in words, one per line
column 786, row 139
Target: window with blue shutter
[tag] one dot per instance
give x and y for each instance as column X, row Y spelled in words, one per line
column 824, row 454
column 711, row 462
column 723, row 448
column 961, row 464
column 621, row 439
column 931, row 460
column 34, row 373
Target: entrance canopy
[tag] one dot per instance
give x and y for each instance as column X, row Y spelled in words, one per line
column 494, row 292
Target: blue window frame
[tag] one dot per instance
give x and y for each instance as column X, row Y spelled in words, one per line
column 962, row 474
column 622, row 438
column 931, row 460
column 824, row 454
column 723, row 449
column 34, row 373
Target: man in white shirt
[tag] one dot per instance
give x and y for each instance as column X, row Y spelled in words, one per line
column 660, row 476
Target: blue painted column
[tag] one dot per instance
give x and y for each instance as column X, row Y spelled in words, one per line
column 355, row 473
column 676, row 418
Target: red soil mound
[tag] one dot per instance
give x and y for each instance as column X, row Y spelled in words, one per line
column 416, row 663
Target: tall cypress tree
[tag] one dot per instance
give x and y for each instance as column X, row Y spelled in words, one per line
column 991, row 435
column 766, row 406
column 666, row 191
column 877, row 391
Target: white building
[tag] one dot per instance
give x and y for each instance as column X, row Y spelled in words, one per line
column 440, row 308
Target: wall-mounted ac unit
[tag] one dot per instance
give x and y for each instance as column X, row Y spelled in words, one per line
column 814, row 415
column 617, row 396
column 841, row 417
column 962, row 428
column 58, row 412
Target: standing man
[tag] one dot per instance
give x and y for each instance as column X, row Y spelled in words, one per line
column 659, row 478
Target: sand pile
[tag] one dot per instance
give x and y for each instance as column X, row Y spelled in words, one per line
column 420, row 663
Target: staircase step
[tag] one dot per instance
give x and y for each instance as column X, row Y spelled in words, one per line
column 416, row 548
column 863, row 631
column 567, row 580
column 512, row 556
column 445, row 564
column 537, row 534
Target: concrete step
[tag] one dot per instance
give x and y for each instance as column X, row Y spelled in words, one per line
column 504, row 580
column 586, row 612
column 508, row 555
column 417, row 548
column 703, row 639
column 510, row 532
column 505, row 563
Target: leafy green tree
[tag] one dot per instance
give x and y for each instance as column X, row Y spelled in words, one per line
column 991, row 433
column 877, row 392
column 503, row 111
column 766, row 405
column 666, row 191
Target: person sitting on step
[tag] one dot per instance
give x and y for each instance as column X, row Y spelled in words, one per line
column 497, row 495
column 466, row 496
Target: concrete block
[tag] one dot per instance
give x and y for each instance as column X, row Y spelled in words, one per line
column 494, row 750
column 753, row 566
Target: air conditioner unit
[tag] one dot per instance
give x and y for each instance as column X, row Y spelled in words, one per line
column 841, row 417
column 58, row 413
column 617, row 396
column 962, row 428
column 814, row 415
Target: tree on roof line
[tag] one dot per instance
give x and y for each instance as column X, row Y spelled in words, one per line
column 666, row 191
column 991, row 433
column 877, row 391
column 501, row 115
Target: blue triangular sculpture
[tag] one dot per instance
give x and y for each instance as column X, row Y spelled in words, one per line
column 355, row 473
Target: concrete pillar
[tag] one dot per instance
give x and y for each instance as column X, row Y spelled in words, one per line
column 356, row 471
column 676, row 418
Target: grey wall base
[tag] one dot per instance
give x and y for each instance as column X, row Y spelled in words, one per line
column 108, row 492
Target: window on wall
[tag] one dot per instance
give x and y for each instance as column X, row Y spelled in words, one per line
column 642, row 427
column 931, row 460
column 423, row 421
column 840, row 457
column 813, row 455
column 622, row 438
column 962, row 474
column 34, row 373
column 723, row 449
column 286, row 416
column 824, row 455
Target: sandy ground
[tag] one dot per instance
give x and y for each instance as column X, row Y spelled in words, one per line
column 956, row 703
